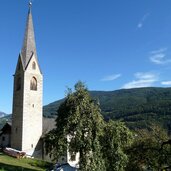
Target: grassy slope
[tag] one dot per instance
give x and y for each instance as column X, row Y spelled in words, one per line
column 8, row 163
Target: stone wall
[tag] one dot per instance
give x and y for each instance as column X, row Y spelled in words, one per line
column 27, row 110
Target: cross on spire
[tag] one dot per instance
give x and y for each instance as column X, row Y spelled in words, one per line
column 30, row 5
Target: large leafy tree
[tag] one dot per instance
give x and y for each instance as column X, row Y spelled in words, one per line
column 150, row 150
column 80, row 119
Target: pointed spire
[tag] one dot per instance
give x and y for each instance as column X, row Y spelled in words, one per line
column 29, row 45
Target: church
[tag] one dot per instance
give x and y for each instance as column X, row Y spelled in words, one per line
column 27, row 95
column 25, row 130
column 28, row 127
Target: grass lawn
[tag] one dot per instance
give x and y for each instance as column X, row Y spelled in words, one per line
column 8, row 163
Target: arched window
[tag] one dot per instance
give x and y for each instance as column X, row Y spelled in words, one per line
column 18, row 85
column 33, row 84
column 33, row 65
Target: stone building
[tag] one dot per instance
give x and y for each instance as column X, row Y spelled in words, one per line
column 27, row 95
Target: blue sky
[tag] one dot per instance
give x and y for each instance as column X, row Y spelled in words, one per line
column 108, row 44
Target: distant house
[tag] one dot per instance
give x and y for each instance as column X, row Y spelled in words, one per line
column 5, row 135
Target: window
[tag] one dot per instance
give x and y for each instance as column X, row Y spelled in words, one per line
column 73, row 157
column 34, row 65
column 3, row 138
column 18, row 86
column 16, row 130
column 33, row 84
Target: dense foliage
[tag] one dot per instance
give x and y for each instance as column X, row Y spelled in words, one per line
column 100, row 145
column 79, row 120
column 151, row 150
column 115, row 140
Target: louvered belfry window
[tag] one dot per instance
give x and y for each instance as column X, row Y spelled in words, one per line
column 34, row 65
column 33, row 84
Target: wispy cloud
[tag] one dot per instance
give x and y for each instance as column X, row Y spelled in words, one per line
column 111, row 77
column 141, row 22
column 159, row 56
column 167, row 83
column 142, row 80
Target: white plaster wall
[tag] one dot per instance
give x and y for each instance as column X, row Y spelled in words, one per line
column 73, row 163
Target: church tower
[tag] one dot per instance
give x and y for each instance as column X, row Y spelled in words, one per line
column 27, row 95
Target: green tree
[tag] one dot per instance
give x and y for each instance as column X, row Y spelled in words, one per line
column 150, row 150
column 116, row 138
column 80, row 118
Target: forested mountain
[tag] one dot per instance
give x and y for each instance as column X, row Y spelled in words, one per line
column 137, row 107
column 2, row 114
column 4, row 119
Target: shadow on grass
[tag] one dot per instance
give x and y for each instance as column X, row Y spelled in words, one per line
column 7, row 167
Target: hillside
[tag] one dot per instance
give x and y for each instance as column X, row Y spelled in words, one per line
column 4, row 119
column 137, row 107
column 2, row 114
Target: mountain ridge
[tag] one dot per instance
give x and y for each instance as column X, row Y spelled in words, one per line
column 138, row 107
column 2, row 114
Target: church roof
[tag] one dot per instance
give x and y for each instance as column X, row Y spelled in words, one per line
column 6, row 128
column 48, row 125
column 29, row 45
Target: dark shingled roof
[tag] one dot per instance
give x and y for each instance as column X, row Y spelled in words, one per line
column 48, row 125
column 29, row 45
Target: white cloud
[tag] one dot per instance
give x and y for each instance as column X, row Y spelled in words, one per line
column 142, row 80
column 144, row 75
column 141, row 22
column 166, row 83
column 140, row 25
column 111, row 77
column 161, row 50
column 159, row 56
